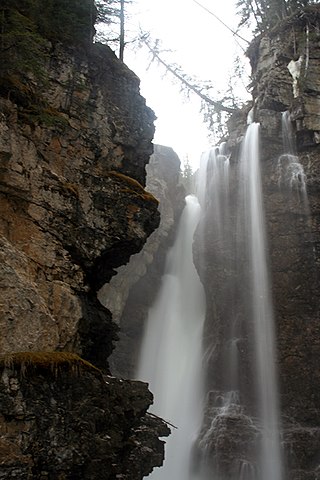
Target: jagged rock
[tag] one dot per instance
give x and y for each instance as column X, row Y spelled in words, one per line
column 285, row 66
column 162, row 181
column 61, row 418
column 67, row 202
column 73, row 151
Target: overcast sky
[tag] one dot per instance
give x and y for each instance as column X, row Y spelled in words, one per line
column 202, row 46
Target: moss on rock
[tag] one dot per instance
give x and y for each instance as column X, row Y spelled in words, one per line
column 29, row 362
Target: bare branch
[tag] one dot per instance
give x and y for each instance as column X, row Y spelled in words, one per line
column 218, row 106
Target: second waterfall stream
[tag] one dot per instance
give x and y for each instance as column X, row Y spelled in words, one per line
column 171, row 358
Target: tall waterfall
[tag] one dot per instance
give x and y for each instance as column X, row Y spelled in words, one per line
column 171, row 352
column 239, row 439
column 269, row 454
column 227, row 420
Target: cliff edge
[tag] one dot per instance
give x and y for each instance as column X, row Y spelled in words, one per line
column 75, row 136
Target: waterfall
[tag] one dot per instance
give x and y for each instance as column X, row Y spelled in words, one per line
column 171, row 351
column 239, row 439
column 290, row 171
column 262, row 310
column 227, row 419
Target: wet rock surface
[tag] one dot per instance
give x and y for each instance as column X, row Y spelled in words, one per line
column 293, row 226
column 61, row 418
column 68, row 205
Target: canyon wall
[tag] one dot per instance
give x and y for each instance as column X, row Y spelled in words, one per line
column 73, row 206
column 73, row 148
column 132, row 291
column 138, row 283
column 285, row 77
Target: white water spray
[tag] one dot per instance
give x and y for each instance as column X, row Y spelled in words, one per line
column 171, row 352
column 270, row 450
column 235, row 233
column 290, row 171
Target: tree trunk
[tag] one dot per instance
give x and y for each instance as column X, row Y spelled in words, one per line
column 121, row 47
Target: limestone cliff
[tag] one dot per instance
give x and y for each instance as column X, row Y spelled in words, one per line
column 285, row 66
column 74, row 143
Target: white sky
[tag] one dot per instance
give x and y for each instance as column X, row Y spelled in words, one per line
column 202, row 46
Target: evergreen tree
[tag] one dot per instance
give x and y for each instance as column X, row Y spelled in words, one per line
column 20, row 42
column 187, row 176
column 112, row 13
column 267, row 14
column 24, row 24
column 27, row 27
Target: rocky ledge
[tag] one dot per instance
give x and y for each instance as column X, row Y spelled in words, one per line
column 61, row 418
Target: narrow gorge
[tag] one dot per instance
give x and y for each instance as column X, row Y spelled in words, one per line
column 110, row 278
column 261, row 382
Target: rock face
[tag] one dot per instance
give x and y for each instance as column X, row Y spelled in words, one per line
column 60, row 418
column 285, row 66
column 293, row 223
column 73, row 151
column 130, row 293
column 69, row 208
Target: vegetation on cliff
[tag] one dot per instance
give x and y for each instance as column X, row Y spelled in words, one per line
column 55, row 362
column 27, row 33
column 266, row 14
column 24, row 23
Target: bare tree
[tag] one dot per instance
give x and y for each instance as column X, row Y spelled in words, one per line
column 112, row 13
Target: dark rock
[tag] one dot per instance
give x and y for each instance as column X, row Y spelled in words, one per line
column 73, row 152
column 68, row 422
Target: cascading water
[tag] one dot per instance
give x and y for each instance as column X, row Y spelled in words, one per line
column 290, row 171
column 171, row 351
column 239, row 439
column 269, row 460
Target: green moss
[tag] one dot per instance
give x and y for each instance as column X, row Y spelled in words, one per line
column 32, row 108
column 129, row 180
column 22, row 49
column 46, row 116
column 53, row 116
column 55, row 362
column 133, row 187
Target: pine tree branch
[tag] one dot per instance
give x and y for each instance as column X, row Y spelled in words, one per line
column 218, row 106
